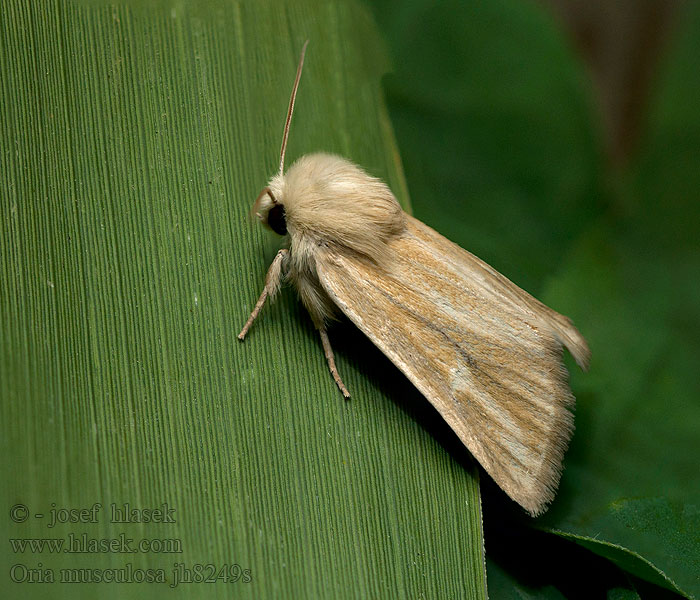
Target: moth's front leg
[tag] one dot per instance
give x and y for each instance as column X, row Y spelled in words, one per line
column 273, row 279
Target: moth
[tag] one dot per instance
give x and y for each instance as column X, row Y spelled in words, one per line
column 484, row 352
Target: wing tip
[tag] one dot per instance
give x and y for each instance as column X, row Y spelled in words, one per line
column 579, row 350
column 576, row 344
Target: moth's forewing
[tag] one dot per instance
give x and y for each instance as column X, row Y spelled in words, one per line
column 485, row 353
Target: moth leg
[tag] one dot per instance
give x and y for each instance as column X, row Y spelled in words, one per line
column 331, row 362
column 272, row 286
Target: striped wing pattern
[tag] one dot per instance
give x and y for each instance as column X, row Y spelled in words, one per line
column 485, row 353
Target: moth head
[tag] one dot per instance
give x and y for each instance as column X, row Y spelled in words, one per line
column 270, row 211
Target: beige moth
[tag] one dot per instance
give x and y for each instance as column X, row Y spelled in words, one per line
column 484, row 352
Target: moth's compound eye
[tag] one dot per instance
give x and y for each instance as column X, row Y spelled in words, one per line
column 276, row 219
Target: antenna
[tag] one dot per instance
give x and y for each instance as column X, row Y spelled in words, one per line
column 290, row 110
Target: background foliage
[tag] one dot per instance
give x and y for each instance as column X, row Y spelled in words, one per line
column 503, row 146
column 134, row 139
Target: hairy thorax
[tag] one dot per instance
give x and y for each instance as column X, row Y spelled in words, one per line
column 332, row 204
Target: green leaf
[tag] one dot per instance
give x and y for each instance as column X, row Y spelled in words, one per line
column 524, row 562
column 653, row 523
column 134, row 141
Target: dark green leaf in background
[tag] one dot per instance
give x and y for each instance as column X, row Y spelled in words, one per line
column 494, row 122
column 497, row 123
